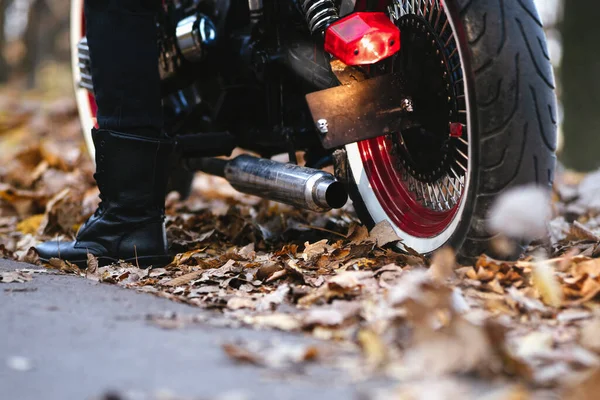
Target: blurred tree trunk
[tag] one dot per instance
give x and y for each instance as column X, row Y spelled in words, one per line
column 32, row 39
column 3, row 65
column 580, row 75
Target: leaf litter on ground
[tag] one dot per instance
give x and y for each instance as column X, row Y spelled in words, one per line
column 521, row 328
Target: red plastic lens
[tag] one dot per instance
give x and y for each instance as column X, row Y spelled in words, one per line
column 362, row 38
column 456, row 129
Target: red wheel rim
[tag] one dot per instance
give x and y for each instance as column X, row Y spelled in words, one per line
column 393, row 194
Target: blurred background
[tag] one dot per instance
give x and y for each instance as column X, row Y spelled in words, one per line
column 34, row 54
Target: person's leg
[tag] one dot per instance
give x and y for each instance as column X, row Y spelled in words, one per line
column 122, row 38
column 132, row 156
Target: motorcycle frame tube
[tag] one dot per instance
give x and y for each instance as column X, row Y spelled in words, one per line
column 372, row 203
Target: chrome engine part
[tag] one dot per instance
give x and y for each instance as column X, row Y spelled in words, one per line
column 256, row 10
column 194, row 34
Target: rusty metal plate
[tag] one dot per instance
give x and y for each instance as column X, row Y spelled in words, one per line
column 362, row 110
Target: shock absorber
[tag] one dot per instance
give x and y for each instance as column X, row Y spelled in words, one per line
column 319, row 14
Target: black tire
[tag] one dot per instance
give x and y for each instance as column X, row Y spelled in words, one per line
column 513, row 110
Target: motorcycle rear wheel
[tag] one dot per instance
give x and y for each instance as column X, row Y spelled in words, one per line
column 496, row 56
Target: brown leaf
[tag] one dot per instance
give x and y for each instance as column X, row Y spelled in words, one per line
column 15, row 277
column 590, row 335
column 461, row 348
column 358, row 234
column 183, row 279
column 30, row 225
column 270, row 301
column 92, row 264
column 284, row 322
column 443, row 264
column 237, row 303
column 24, row 202
column 64, row 266
column 373, row 347
column 527, row 303
column 169, row 322
column 383, row 233
column 63, row 213
column 31, row 257
column 589, row 267
column 349, row 280
column 544, row 280
column 315, row 249
column 323, row 316
column 241, row 354
column 586, row 388
column 276, row 275
column 581, row 232
column 266, row 271
column 60, row 154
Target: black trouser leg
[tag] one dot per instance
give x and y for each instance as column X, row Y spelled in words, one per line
column 122, row 38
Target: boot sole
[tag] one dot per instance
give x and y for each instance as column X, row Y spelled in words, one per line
column 142, row 262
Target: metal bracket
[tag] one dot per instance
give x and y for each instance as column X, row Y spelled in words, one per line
column 362, row 110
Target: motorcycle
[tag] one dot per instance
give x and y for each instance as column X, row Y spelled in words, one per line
column 426, row 109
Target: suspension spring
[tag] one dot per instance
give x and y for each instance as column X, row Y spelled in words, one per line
column 319, row 14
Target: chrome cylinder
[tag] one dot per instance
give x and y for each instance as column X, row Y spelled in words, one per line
column 302, row 187
column 194, row 34
column 256, row 10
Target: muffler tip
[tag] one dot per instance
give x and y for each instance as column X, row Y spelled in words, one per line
column 329, row 194
column 336, row 195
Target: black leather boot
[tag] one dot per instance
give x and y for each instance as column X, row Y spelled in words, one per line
column 132, row 173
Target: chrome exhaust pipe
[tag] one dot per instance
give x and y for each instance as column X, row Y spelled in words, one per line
column 302, row 187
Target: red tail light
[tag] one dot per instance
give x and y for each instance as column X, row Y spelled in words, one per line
column 362, row 38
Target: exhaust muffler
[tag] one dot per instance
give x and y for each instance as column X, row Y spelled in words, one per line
column 302, row 187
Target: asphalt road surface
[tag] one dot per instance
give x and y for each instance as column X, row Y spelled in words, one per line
column 70, row 338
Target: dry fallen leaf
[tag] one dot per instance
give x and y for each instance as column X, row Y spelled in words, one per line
column 15, row 277
column 270, row 301
column 323, row 316
column 443, row 264
column 237, row 303
column 30, row 225
column 63, row 265
column 241, row 354
column 182, row 280
column 590, row 335
column 544, row 280
column 315, row 249
column 373, row 347
column 383, row 233
column 92, row 264
column 585, row 388
column 284, row 322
